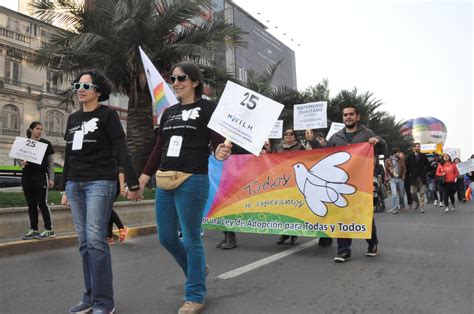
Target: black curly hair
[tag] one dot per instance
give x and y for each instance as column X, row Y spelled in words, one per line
column 100, row 80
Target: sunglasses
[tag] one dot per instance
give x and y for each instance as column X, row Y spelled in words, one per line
column 289, row 134
column 179, row 78
column 85, row 86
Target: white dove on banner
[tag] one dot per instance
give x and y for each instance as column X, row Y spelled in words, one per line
column 324, row 183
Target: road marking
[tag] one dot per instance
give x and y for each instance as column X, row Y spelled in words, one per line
column 267, row 260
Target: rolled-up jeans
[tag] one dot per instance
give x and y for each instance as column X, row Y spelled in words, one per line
column 91, row 203
column 397, row 189
column 184, row 206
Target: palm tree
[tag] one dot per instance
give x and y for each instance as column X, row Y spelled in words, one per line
column 106, row 35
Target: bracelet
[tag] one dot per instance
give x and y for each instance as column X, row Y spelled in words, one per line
column 134, row 188
column 62, row 192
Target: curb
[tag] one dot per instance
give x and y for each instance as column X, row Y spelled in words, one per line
column 59, row 242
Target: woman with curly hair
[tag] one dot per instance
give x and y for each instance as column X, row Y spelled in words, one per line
column 94, row 139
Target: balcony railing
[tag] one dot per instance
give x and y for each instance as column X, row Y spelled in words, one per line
column 10, row 81
column 14, row 35
column 30, row 87
column 10, row 132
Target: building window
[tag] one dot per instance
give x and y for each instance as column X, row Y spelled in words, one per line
column 242, row 74
column 51, row 86
column 54, row 123
column 12, row 72
column 10, row 121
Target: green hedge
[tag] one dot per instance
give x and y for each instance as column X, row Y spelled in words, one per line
column 17, row 199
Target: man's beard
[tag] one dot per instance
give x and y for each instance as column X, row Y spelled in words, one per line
column 352, row 125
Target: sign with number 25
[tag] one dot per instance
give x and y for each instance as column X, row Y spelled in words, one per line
column 245, row 117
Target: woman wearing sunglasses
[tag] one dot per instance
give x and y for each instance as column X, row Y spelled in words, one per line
column 290, row 143
column 182, row 145
column 94, row 139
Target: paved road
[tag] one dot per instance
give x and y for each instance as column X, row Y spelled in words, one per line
column 425, row 266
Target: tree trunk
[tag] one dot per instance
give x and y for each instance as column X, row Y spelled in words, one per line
column 140, row 136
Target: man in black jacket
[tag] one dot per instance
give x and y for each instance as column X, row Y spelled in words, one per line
column 417, row 166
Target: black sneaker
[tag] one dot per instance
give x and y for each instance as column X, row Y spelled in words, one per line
column 343, row 257
column 372, row 251
column 32, row 234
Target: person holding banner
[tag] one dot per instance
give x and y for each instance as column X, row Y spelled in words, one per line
column 353, row 133
column 35, row 181
column 94, row 139
column 290, row 143
column 181, row 157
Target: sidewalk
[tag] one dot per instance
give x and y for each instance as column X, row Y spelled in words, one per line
column 138, row 217
column 10, row 247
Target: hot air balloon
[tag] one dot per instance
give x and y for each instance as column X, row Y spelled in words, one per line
column 426, row 131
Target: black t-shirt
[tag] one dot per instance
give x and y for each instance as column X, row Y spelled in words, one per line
column 96, row 159
column 189, row 124
column 32, row 169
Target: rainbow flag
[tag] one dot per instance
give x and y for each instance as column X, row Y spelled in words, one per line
column 160, row 102
column 324, row 192
column 161, row 94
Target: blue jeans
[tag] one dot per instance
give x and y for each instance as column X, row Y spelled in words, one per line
column 91, row 203
column 184, row 206
column 397, row 186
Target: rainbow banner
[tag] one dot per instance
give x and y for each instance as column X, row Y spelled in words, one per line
column 324, row 192
column 161, row 94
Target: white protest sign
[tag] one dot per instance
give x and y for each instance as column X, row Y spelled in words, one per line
column 428, row 147
column 28, row 149
column 312, row 115
column 453, row 152
column 466, row 166
column 245, row 117
column 335, row 126
column 277, row 131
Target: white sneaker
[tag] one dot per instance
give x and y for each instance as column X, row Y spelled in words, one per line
column 446, row 210
column 441, row 204
column 453, row 208
column 435, row 202
column 390, row 210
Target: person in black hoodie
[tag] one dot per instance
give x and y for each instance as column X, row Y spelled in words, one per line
column 417, row 167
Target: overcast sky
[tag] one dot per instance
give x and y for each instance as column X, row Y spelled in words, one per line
column 416, row 56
